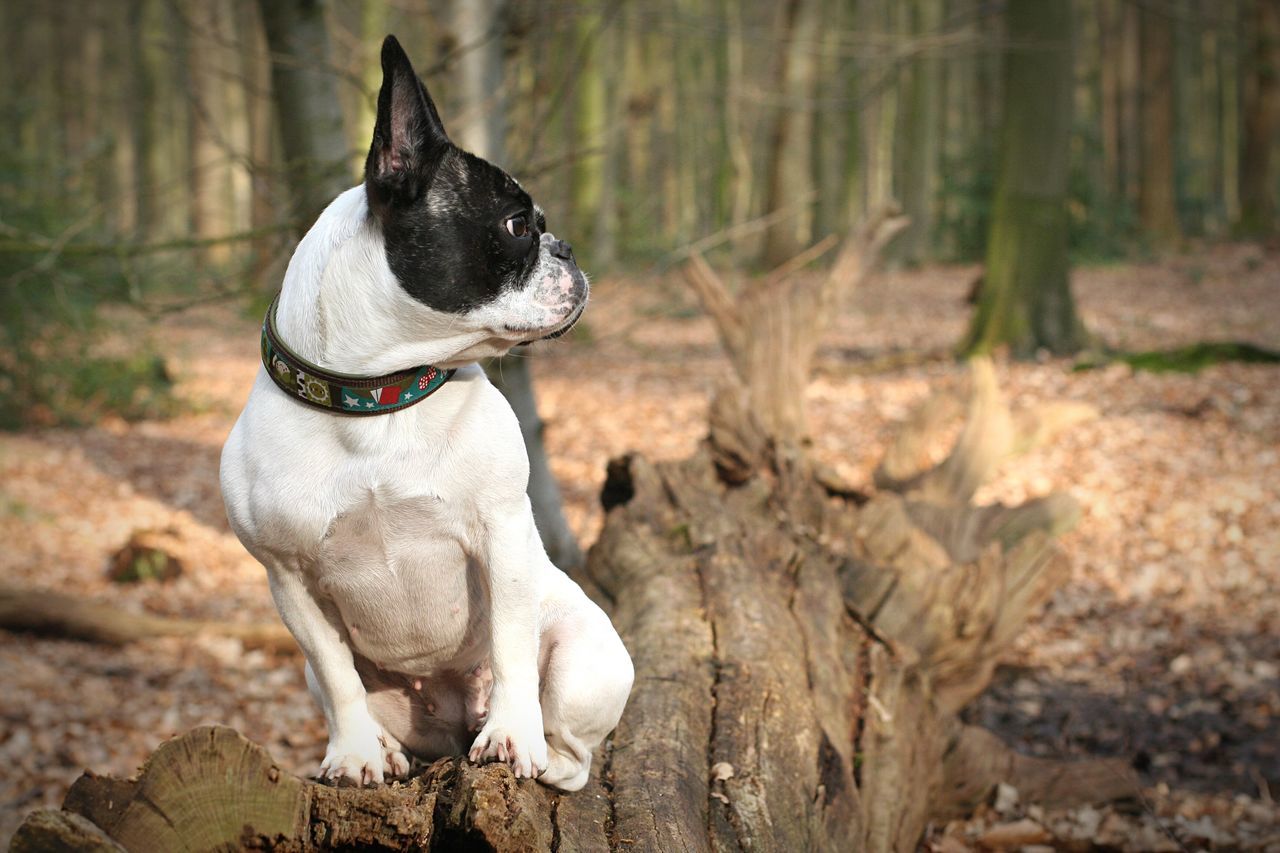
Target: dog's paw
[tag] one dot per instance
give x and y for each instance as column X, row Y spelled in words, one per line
column 517, row 743
column 396, row 766
column 477, row 685
column 363, row 760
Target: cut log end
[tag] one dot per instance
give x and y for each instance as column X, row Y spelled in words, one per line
column 213, row 789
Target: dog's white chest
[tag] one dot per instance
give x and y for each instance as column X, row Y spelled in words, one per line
column 396, row 570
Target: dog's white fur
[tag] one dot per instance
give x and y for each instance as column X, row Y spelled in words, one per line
column 401, row 548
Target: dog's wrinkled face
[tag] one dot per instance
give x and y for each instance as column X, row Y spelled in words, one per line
column 462, row 236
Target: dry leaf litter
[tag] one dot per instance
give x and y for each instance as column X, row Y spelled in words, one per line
column 1164, row 647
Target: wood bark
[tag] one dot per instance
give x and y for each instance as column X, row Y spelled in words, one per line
column 587, row 131
column 269, row 254
column 921, row 136
column 211, row 118
column 788, row 175
column 513, row 378
column 1130, row 117
column 1157, row 199
column 1228, row 79
column 770, row 330
column 800, row 659
column 308, row 108
column 1261, row 124
column 1109, row 29
column 142, row 126
column 1026, row 301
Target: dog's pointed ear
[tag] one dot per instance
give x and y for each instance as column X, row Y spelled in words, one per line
column 408, row 137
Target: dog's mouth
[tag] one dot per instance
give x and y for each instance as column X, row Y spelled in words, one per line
column 535, row 335
column 568, row 324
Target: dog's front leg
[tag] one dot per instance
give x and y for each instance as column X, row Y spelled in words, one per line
column 513, row 731
column 356, row 749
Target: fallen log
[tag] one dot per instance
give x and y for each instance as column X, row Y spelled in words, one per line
column 55, row 614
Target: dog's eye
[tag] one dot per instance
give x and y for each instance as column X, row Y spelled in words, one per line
column 518, row 226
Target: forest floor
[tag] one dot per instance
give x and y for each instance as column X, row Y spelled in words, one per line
column 1164, row 647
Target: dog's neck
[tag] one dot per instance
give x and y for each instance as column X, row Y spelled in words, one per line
column 342, row 308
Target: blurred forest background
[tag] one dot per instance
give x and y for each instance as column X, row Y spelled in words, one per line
column 1092, row 188
column 145, row 161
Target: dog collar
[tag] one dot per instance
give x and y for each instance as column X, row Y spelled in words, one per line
column 343, row 392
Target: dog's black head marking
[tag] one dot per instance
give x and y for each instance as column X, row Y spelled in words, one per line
column 458, row 230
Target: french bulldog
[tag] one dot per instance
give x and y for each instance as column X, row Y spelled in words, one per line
column 400, row 547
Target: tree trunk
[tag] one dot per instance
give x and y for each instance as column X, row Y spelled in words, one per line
column 1157, row 201
column 604, row 243
column 212, row 150
column 480, row 78
column 1228, row 75
column 588, row 130
column 1130, row 73
column 736, row 133
column 143, row 119
column 305, row 91
column 920, row 136
column 268, row 254
column 373, row 29
column 1109, row 56
column 1261, row 123
column 800, row 660
column 1026, row 300
column 789, row 178
column 512, row 377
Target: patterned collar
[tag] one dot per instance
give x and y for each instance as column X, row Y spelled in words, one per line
column 342, row 392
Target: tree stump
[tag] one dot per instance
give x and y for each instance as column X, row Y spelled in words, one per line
column 801, row 655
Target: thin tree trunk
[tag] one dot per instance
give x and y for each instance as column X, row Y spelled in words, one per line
column 373, row 28
column 210, row 122
column 605, row 239
column 1261, row 123
column 1229, row 71
column 1130, row 102
column 1157, row 199
column 1189, row 178
column 1109, row 55
column 877, row 162
column 789, row 177
column 1210, row 132
column 236, row 131
column 1026, row 300
column 305, row 90
column 144, row 122
column 588, row 131
column 833, row 134
column 918, row 168
column 173, row 134
column 739, row 154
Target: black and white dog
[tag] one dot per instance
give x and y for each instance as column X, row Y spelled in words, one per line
column 401, row 548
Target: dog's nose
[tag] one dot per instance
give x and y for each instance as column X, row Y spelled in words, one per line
column 562, row 250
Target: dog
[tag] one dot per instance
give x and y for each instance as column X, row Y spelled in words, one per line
column 390, row 512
